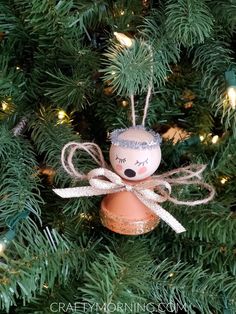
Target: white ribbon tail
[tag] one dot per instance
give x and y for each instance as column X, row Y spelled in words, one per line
column 163, row 214
column 80, row 191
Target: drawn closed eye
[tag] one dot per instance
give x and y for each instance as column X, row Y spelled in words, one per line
column 121, row 160
column 141, row 163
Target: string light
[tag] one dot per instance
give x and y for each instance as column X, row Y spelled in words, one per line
column 85, row 216
column 7, row 238
column 232, row 96
column 201, row 137
column 63, row 117
column 108, row 90
column 188, row 105
column 5, row 105
column 215, row 139
column 122, row 12
column 10, row 234
column 224, row 180
column 123, row 39
column 124, row 103
column 18, row 68
column 230, row 77
column 61, row 114
column 2, row 247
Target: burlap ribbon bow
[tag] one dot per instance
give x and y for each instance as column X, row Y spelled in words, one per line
column 150, row 192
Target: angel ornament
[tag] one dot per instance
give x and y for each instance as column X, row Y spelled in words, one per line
column 133, row 195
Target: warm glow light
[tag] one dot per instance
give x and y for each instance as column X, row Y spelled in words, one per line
column 2, row 247
column 85, row 216
column 201, row 138
column 61, row 115
column 124, row 103
column 18, row 68
column 223, row 180
column 123, row 39
column 4, row 105
column 232, row 96
column 215, row 139
column 122, row 12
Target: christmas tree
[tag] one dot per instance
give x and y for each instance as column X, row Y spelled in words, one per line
column 70, row 71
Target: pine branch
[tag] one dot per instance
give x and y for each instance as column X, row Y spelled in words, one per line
column 154, row 30
column 90, row 14
column 42, row 261
column 69, row 91
column 19, row 185
column 118, row 277
column 188, row 22
column 127, row 68
column 8, row 22
column 47, row 136
column 213, row 58
column 227, row 19
column 192, row 288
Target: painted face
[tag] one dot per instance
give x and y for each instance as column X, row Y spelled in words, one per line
column 135, row 164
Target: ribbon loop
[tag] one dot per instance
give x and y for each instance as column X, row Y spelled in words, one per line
column 156, row 190
column 103, row 181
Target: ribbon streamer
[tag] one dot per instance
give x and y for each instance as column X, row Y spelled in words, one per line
column 150, row 192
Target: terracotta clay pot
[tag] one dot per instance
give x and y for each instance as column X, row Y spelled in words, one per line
column 124, row 213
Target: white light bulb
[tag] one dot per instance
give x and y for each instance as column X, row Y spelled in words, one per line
column 232, row 96
column 61, row 115
column 4, row 105
column 215, row 139
column 223, row 180
column 2, row 247
column 201, row 138
column 123, row 39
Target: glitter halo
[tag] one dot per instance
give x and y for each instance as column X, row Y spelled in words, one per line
column 115, row 140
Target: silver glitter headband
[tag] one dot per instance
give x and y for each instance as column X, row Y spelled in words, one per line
column 115, row 140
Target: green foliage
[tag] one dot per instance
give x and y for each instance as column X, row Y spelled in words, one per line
column 126, row 68
column 62, row 55
column 47, row 134
column 189, row 22
column 115, row 116
column 167, row 50
column 11, row 80
column 66, row 91
column 228, row 8
column 89, row 14
column 19, row 185
column 174, row 279
column 45, row 260
column 119, row 277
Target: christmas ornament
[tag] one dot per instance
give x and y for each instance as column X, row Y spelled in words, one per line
column 133, row 194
